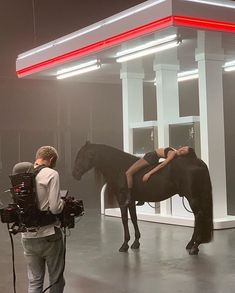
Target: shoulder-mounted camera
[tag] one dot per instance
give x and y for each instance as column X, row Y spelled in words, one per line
column 73, row 208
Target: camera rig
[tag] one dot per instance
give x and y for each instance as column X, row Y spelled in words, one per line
column 15, row 216
column 24, row 215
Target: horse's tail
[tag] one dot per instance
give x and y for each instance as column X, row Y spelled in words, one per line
column 206, row 207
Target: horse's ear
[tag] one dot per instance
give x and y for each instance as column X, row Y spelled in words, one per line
column 87, row 142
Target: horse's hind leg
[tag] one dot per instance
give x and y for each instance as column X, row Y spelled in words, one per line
column 124, row 215
column 195, row 241
column 132, row 210
column 193, row 244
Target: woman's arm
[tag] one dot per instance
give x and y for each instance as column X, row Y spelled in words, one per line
column 170, row 157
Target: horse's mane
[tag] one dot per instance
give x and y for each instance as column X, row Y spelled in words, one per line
column 112, row 149
column 115, row 154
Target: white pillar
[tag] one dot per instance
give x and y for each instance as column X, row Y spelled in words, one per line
column 166, row 68
column 132, row 99
column 167, row 99
column 210, row 57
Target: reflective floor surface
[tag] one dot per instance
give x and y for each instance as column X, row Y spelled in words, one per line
column 162, row 265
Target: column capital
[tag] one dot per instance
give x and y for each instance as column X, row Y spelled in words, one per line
column 131, row 75
column 209, row 46
column 202, row 56
column 169, row 67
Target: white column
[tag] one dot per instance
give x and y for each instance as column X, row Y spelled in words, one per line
column 132, row 99
column 166, row 68
column 167, row 99
column 210, row 56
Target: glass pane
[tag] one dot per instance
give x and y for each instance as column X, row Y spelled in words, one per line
column 144, row 140
column 185, row 134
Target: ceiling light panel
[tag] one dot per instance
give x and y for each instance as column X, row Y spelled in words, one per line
column 148, row 51
column 80, row 71
column 76, row 67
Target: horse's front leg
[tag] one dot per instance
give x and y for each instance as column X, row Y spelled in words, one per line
column 132, row 210
column 124, row 215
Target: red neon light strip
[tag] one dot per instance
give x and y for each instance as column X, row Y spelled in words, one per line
column 114, row 40
column 190, row 22
column 208, row 24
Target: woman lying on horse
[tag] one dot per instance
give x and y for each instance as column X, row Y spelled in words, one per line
column 184, row 174
column 152, row 159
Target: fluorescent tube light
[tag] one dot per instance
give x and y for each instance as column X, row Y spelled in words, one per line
column 187, row 75
column 182, row 76
column 229, row 66
column 147, row 45
column 148, row 51
column 79, row 71
column 214, row 3
column 76, row 67
column 230, row 63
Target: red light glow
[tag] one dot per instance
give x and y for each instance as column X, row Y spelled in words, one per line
column 207, row 24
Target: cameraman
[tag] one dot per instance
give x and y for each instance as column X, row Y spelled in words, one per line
column 45, row 245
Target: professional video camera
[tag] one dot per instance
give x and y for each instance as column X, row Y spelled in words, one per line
column 73, row 208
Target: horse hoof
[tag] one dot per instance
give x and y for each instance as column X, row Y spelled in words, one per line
column 135, row 245
column 193, row 251
column 124, row 248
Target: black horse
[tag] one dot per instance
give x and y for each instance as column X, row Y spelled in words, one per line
column 186, row 175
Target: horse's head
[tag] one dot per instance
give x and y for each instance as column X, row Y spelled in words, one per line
column 84, row 161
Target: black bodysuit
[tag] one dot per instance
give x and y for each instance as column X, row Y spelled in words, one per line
column 152, row 157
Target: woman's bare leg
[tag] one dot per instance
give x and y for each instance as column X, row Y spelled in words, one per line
column 133, row 169
column 129, row 175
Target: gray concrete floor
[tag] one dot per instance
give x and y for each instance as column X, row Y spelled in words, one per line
column 94, row 265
